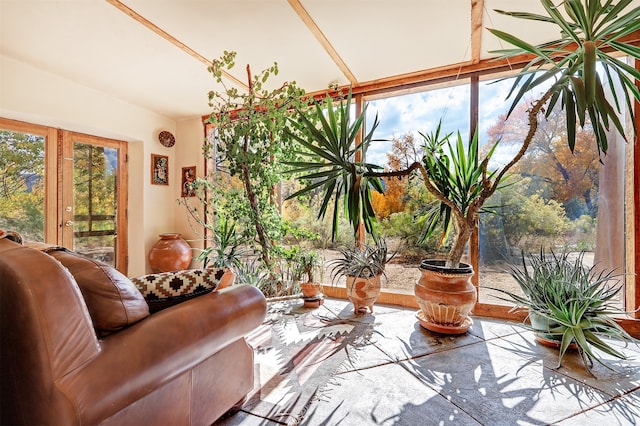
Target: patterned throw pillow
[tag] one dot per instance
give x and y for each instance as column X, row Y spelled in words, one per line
column 169, row 288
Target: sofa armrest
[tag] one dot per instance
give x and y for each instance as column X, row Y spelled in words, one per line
column 151, row 353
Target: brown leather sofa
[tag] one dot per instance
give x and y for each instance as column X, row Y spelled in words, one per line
column 185, row 365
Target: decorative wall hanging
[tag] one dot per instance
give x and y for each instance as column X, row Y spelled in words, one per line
column 166, row 139
column 188, row 178
column 159, row 169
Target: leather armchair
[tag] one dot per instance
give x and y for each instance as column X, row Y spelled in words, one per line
column 185, row 365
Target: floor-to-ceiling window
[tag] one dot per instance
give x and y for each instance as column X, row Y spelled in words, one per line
column 554, row 198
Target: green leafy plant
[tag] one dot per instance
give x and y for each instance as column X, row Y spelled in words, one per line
column 591, row 33
column 253, row 274
column 226, row 251
column 329, row 162
column 364, row 261
column 251, row 142
column 576, row 301
column 308, row 264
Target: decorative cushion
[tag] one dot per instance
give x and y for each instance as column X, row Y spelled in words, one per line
column 12, row 235
column 169, row 288
column 113, row 301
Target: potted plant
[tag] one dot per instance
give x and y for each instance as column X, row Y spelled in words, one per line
column 458, row 179
column 363, row 266
column 569, row 304
column 225, row 253
column 308, row 264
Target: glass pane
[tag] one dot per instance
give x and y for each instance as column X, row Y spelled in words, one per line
column 402, row 118
column 22, row 184
column 94, row 192
column 553, row 199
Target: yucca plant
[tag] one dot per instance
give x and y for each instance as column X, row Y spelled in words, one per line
column 329, row 162
column 576, row 301
column 591, row 32
column 226, row 250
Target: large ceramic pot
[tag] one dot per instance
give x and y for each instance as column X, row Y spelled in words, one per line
column 363, row 292
column 446, row 296
column 170, row 253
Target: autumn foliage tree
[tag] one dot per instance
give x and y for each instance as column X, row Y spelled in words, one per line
column 563, row 176
column 404, row 152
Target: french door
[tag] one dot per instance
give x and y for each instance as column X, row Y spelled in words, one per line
column 66, row 188
column 93, row 189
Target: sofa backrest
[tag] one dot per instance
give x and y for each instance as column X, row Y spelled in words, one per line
column 45, row 332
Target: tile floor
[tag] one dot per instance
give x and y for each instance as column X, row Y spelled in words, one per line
column 391, row 371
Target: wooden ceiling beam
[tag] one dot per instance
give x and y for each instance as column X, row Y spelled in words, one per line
column 477, row 10
column 324, row 41
column 171, row 39
column 442, row 74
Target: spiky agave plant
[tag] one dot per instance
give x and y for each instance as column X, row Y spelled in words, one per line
column 362, row 261
column 576, row 300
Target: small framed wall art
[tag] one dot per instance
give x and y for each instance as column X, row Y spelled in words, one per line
column 188, row 177
column 159, row 169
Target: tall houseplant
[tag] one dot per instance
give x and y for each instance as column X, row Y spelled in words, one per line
column 593, row 33
column 251, row 140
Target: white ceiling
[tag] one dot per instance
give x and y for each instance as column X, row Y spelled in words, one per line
column 96, row 44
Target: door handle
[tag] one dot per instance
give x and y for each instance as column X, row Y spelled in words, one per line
column 68, row 223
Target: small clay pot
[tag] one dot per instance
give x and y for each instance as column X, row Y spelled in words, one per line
column 310, row 290
column 363, row 292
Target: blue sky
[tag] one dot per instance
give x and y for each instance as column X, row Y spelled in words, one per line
column 422, row 111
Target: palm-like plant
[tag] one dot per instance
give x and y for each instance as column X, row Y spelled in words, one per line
column 575, row 300
column 330, row 163
column 592, row 32
column 226, row 251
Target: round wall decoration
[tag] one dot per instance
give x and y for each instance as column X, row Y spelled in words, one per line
column 166, row 138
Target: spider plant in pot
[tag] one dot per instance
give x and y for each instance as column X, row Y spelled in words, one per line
column 563, row 71
column 570, row 305
column 363, row 266
column 225, row 254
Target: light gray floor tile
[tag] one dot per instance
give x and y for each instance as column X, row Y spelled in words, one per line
column 385, row 395
column 502, row 389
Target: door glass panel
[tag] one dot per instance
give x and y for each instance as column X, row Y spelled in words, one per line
column 22, row 184
column 95, row 201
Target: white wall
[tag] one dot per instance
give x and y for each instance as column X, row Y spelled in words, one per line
column 36, row 96
column 189, row 137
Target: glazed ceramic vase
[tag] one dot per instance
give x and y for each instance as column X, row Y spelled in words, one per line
column 363, row 292
column 170, row 253
column 446, row 296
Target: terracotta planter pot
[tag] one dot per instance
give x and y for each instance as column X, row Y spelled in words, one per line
column 446, row 296
column 363, row 292
column 310, row 290
column 228, row 278
column 170, row 253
